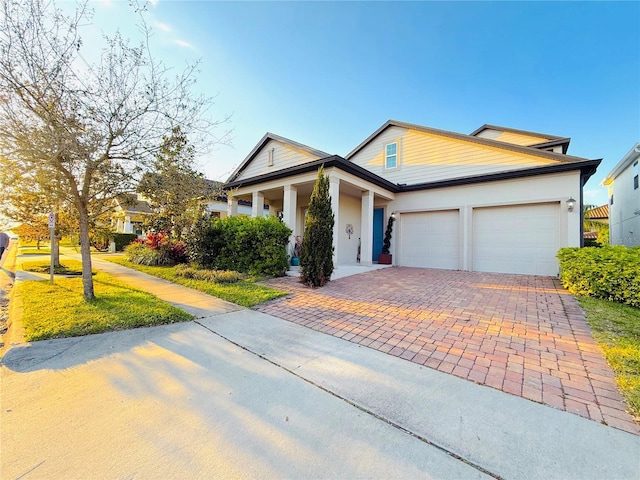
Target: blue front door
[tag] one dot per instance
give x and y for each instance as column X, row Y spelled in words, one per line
column 378, row 230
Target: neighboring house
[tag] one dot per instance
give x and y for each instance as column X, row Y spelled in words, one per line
column 217, row 203
column 496, row 200
column 130, row 211
column 596, row 219
column 624, row 200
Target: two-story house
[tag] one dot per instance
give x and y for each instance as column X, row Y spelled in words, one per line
column 624, row 200
column 495, row 200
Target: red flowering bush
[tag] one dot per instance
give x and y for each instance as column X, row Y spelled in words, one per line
column 156, row 249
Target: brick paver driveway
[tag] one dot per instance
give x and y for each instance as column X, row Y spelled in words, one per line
column 521, row 334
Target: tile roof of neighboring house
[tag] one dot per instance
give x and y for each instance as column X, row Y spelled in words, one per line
column 598, row 213
column 531, row 150
column 590, row 235
column 272, row 136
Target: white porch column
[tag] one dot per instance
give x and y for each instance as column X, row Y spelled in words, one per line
column 366, row 234
column 127, row 224
column 334, row 192
column 232, row 206
column 289, row 207
column 257, row 204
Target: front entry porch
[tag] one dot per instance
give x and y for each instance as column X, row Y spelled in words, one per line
column 359, row 208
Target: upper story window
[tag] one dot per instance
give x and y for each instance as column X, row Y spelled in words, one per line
column 635, row 176
column 391, row 155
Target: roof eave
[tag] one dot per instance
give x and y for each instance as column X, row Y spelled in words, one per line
column 630, row 156
column 329, row 161
column 587, row 168
column 561, row 157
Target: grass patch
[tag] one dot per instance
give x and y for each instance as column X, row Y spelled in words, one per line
column 34, row 251
column 616, row 328
column 70, row 267
column 59, row 310
column 241, row 292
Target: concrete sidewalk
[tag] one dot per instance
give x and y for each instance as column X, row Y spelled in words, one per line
column 239, row 393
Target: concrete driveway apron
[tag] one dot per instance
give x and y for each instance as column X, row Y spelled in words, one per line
column 524, row 335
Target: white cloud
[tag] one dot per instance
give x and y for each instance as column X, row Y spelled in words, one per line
column 183, row 44
column 163, row 26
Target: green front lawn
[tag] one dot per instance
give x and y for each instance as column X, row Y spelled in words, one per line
column 243, row 292
column 59, row 310
column 616, row 328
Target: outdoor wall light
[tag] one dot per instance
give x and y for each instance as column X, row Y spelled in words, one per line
column 571, row 203
column 393, row 214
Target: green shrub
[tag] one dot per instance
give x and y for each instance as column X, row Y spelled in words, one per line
column 610, row 273
column 249, row 245
column 122, row 240
column 213, row 276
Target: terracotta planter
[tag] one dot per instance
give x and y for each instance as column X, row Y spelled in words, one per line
column 384, row 259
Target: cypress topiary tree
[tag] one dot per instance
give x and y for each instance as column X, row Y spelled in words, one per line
column 316, row 262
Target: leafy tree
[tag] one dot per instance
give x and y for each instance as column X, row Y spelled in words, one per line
column 25, row 199
column 90, row 129
column 316, row 262
column 175, row 190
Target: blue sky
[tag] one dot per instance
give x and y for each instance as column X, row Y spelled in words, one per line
column 327, row 74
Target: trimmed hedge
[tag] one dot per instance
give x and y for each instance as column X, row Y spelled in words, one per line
column 610, row 273
column 122, row 240
column 257, row 246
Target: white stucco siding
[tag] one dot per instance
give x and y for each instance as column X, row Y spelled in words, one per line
column 428, row 157
column 349, row 214
column 543, row 189
column 283, row 156
column 624, row 224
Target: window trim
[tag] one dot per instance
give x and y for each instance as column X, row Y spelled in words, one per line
column 635, row 175
column 387, row 156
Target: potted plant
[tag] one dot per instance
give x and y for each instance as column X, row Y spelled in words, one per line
column 385, row 257
column 296, row 251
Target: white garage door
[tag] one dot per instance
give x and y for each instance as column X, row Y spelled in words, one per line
column 516, row 239
column 430, row 239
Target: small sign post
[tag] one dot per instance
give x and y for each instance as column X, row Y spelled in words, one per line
column 52, row 234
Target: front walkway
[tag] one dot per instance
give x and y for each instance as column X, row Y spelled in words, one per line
column 523, row 335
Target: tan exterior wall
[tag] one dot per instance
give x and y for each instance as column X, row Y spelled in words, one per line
column 283, row 155
column 511, row 137
column 427, row 157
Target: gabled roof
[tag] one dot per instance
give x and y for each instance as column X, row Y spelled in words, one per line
column 272, row 136
column 129, row 202
column 631, row 156
column 486, row 126
column 531, row 150
column 547, row 141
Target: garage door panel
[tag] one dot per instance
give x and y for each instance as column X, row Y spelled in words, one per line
column 430, row 239
column 516, row 239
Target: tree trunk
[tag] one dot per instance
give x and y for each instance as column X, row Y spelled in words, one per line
column 85, row 252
